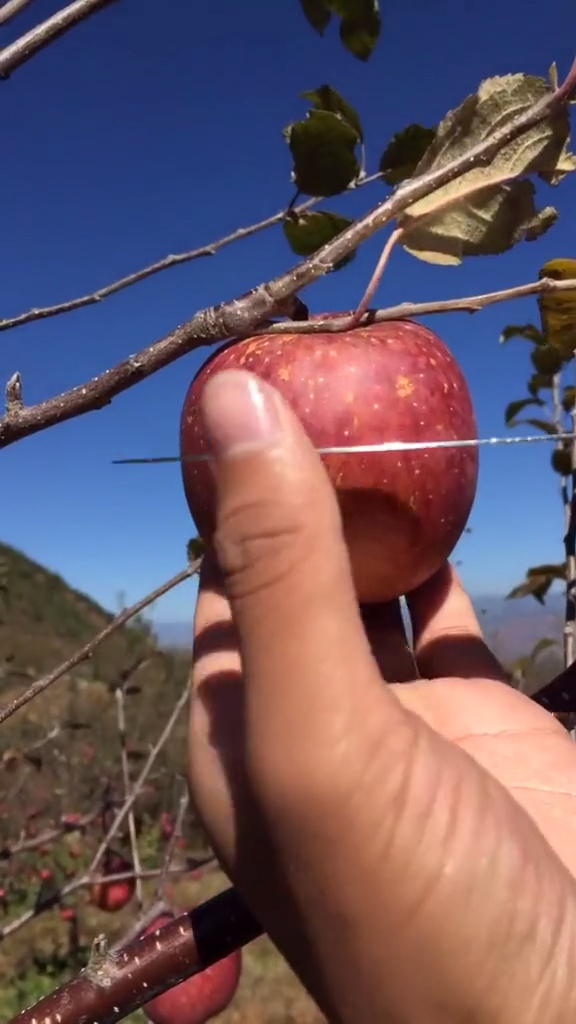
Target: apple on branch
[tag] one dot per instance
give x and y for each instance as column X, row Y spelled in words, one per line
column 402, row 512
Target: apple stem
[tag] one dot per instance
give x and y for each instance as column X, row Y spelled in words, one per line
column 375, row 279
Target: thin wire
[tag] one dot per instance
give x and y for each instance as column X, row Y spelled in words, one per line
column 366, row 449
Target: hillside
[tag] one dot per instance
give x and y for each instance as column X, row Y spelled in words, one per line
column 72, row 727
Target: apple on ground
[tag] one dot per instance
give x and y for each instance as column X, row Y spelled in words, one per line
column 199, row 998
column 403, row 512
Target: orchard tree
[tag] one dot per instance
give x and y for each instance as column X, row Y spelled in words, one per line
column 462, row 187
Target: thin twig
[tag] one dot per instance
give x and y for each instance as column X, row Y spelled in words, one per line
column 405, row 310
column 22, row 49
column 24, row 845
column 125, row 765
column 376, row 278
column 172, row 260
column 242, row 316
column 87, row 651
column 138, row 784
column 171, row 845
column 10, row 9
column 84, row 882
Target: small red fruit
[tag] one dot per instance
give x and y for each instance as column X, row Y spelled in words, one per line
column 199, row 998
column 45, row 874
column 403, row 512
column 67, row 913
column 113, row 896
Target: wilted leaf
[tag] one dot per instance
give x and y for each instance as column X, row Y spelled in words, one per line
column 326, row 98
column 404, row 152
column 487, row 223
column 528, row 331
column 538, row 382
column 195, row 549
column 546, row 359
column 484, row 193
column 317, row 14
column 306, row 232
column 513, row 408
column 569, row 398
column 359, row 26
column 323, row 150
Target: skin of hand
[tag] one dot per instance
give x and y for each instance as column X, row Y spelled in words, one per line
column 401, row 821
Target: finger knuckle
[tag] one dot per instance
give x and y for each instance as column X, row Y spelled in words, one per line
column 260, row 544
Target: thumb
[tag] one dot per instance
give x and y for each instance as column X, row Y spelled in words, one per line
column 306, row 661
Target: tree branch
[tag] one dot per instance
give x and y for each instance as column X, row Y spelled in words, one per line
column 244, row 315
column 87, row 651
column 22, row 49
column 172, row 260
column 404, row 310
column 116, row 983
column 10, row 9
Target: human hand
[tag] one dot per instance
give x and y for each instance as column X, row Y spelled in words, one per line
column 408, row 843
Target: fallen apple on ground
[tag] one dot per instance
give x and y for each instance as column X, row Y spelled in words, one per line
column 402, row 512
column 199, row 998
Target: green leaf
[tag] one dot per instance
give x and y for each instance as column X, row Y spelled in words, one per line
column 487, row 223
column 486, row 210
column 308, row 231
column 513, row 408
column 528, row 331
column 546, row 359
column 360, row 26
column 326, row 98
column 569, row 398
column 323, row 150
column 317, row 14
column 404, row 152
column 544, row 425
column 539, row 381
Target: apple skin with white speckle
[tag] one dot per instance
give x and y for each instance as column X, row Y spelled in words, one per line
column 402, row 512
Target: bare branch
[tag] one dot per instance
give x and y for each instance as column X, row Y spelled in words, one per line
column 244, row 315
column 10, row 9
column 22, row 49
column 120, row 694
column 470, row 304
column 87, row 651
column 173, row 260
column 138, row 784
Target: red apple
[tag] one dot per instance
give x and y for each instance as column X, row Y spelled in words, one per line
column 200, row 997
column 402, row 512
column 113, row 896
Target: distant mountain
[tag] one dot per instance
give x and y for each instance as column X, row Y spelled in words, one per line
column 511, row 627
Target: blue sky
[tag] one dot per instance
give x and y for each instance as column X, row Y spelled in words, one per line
column 143, row 133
